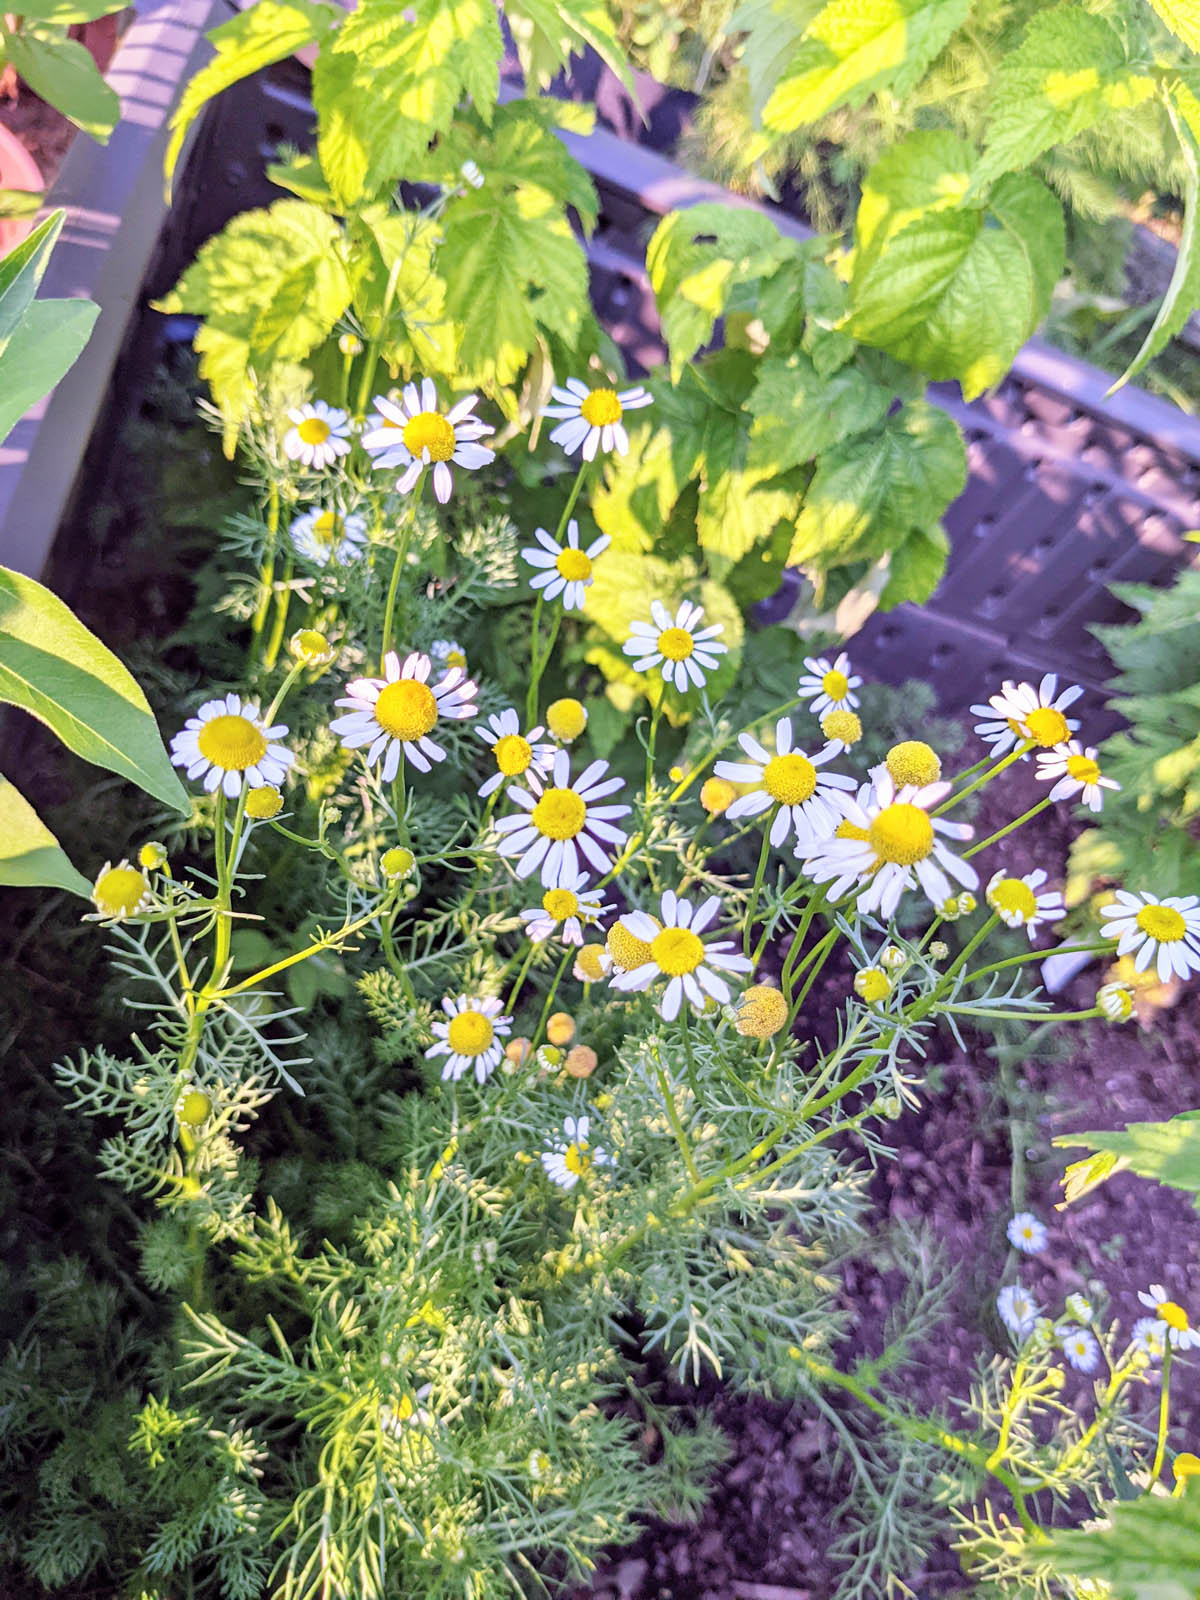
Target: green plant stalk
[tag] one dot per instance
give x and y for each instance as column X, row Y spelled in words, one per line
column 1164, row 1405
column 672, row 1111
column 993, row 772
column 519, row 981
column 266, row 572
column 283, row 601
column 331, row 942
column 539, row 659
column 1011, row 827
column 398, row 566
column 568, row 955
column 1031, row 955
column 756, row 887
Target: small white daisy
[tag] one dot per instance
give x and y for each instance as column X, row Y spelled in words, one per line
column 1166, row 932
column 679, row 954
column 1149, row 1335
column 412, row 433
column 470, row 1037
column 829, row 685
column 886, row 843
column 395, row 714
column 121, row 891
column 1171, row 1317
column 447, row 653
column 592, row 417
column 1018, row 905
column 1018, row 1310
column 683, row 650
column 514, row 752
column 564, row 569
column 789, row 779
column 572, row 1157
column 325, row 536
column 318, row 435
column 1079, row 1308
column 560, row 820
column 1026, row 1233
column 1021, row 713
column 572, row 904
column 1080, row 1348
column 228, row 742
column 1078, row 773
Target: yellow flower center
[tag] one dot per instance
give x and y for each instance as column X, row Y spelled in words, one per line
column 836, row 685
column 850, row 830
column 790, row 779
column 761, row 1012
column 397, row 862
column 574, row 566
column 1013, row 897
column 1162, row 923
column 626, row 949
column 677, row 951
column 455, row 658
column 1083, row 769
column 588, row 962
column 560, row 1029
column 1173, row 1315
column 559, row 814
column 717, row 795
column 327, row 527
column 1047, row 727
column 314, row 430
column 119, row 891
column 901, row 834
column 560, row 904
column 513, row 754
column 406, row 709
column 264, row 803
column 676, row 644
column 566, row 719
column 601, row 407
column 194, row 1108
column 429, row 431
column 913, row 761
column 843, row 725
column 470, row 1033
column 872, row 985
column 231, row 742
column 576, row 1158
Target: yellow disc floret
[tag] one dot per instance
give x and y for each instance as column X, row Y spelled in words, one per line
column 761, row 1012
column 264, row 803
column 601, row 408
column 119, row 890
column 559, row 814
column 913, row 762
column 677, row 951
column 309, row 645
column 872, row 984
column 231, row 742
column 406, row 709
column 470, row 1033
column 313, row 430
column 327, row 527
column 1173, row 1315
column 626, row 949
column 152, row 855
column 1013, row 900
column 1163, row 923
column 566, row 719
column 843, row 725
column 790, row 779
column 194, row 1108
column 850, row 830
column 397, row 862
column 1047, row 727
column 901, row 834
column 717, row 795
column 836, row 685
column 573, row 565
column 1083, row 769
column 513, row 754
column 429, row 431
column 676, row 644
column 518, row 1050
column 588, row 961
column 560, row 1029
column 560, row 904
column 576, row 1158
column 581, row 1061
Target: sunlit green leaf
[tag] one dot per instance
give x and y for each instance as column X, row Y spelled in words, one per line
column 30, row 856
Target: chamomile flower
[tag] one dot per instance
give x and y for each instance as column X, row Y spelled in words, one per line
column 829, row 686
column 684, row 651
column 1018, row 904
column 886, row 843
column 842, row 729
column 572, row 906
column 1077, row 773
column 1079, row 1307
column 573, row 1157
column 413, row 434
column 447, row 653
column 394, row 715
column 592, row 417
column 121, row 891
column 325, row 536
column 514, row 752
column 789, row 780
column 1165, row 932
column 1020, row 714
column 1018, row 1310
column 563, row 569
column 1080, row 1348
column 1149, row 1335
column 470, row 1037
column 1026, row 1233
column 760, row 1012
column 560, row 820
column 318, row 435
column 1172, row 1318
column 228, row 744
column 679, row 954
column 591, row 964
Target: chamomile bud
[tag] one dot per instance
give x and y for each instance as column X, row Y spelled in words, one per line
column 193, row 1108
column 309, row 645
column 872, row 984
column 717, row 795
column 516, row 1051
column 1115, row 1001
column 1185, row 1465
column 397, row 863
column 938, row 950
column 590, row 960
column 581, row 1061
column 566, row 720
column 760, row 1012
column 152, row 855
column 892, row 958
column 913, row 762
column 560, row 1029
column 538, row 1465
column 949, row 909
column 121, row 891
column 842, row 727
column 966, row 903
column 350, row 344
column 264, row 803
column 550, row 1058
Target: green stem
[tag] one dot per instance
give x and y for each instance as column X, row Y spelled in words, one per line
column 1164, row 1403
column 519, row 981
column 992, row 772
column 1011, row 827
column 397, row 568
column 681, row 1139
column 266, row 572
column 752, row 905
column 568, row 955
column 283, row 600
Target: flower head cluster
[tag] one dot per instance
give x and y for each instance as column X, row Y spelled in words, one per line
column 411, row 433
column 564, row 569
column 470, row 1037
column 228, row 744
column 558, row 821
column 319, row 434
column 686, row 653
column 1021, row 714
column 677, row 951
column 1163, row 932
column 573, row 1157
column 592, row 418
column 393, row 716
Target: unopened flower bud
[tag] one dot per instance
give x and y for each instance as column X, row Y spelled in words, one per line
column 892, row 957
column 194, row 1108
column 566, row 720
column 309, row 645
column 872, row 984
column 350, row 344
column 517, row 1051
column 581, row 1061
column 397, row 863
column 939, row 950
column 1115, row 1001
column 152, row 855
column 561, row 1028
column 717, row 795
column 264, row 803
column 966, row 903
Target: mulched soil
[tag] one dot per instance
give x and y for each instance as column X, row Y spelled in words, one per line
column 774, row 1508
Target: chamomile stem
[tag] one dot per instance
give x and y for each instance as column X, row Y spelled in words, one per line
column 756, row 889
column 398, row 567
column 1011, row 827
column 283, row 600
column 672, row 1111
column 986, row 777
column 1031, row 955
column 519, row 981
column 568, row 955
column 266, row 572
column 1164, row 1406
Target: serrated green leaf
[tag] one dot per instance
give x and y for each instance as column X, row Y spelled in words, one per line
column 30, row 856
column 60, row 672
column 870, row 490
column 1069, row 72
column 46, row 342
column 1149, row 1551
column 930, row 170
column 772, row 29
column 1033, row 218
column 853, row 49
column 268, row 31
column 1168, row 1152
column 64, row 13
column 400, row 247
column 915, row 567
column 798, row 413
column 1183, row 19
column 63, row 72
column 548, row 33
